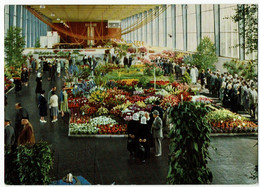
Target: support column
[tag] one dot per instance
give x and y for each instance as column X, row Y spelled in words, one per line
column 32, row 30
column 136, row 31
column 173, row 17
column 198, row 23
column 217, row 28
column 11, row 15
column 28, row 29
column 165, row 26
column 151, row 27
column 18, row 15
column 241, row 31
column 146, row 28
column 133, row 33
column 24, row 22
column 184, row 23
column 157, row 27
column 141, row 18
column 6, row 17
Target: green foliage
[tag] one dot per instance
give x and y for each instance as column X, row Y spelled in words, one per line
column 171, row 78
column 205, row 57
column 14, row 46
column 189, row 143
column 144, row 80
column 29, row 164
column 248, row 14
column 247, row 70
column 37, row 43
column 186, row 78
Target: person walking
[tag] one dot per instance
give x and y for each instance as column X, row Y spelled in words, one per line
column 9, row 133
column 38, row 89
column 24, row 77
column 58, row 68
column 54, row 106
column 49, row 97
column 63, row 101
column 157, row 133
column 27, row 133
column 42, row 106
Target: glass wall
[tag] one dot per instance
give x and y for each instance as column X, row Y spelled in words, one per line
column 192, row 34
column 179, row 28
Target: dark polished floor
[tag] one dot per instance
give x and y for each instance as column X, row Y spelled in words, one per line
column 106, row 160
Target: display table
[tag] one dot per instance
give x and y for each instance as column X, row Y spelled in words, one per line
column 81, row 181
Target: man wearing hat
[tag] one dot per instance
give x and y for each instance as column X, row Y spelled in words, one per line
column 157, row 133
column 9, row 133
column 143, row 139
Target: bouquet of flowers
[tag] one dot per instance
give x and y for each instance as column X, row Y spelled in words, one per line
column 151, row 100
column 102, row 111
column 102, row 120
column 169, row 101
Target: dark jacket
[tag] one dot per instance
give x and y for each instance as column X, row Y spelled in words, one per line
column 42, row 106
column 132, row 127
column 9, row 135
column 39, row 85
column 143, row 132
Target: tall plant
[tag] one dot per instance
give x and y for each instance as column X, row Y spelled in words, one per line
column 189, row 142
column 29, row 164
column 37, row 43
column 205, row 57
column 248, row 15
column 14, row 46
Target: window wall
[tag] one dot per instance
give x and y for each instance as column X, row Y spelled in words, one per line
column 32, row 27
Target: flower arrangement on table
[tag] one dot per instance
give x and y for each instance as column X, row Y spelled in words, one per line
column 152, row 100
column 98, row 125
column 160, row 83
column 97, row 96
column 131, row 83
column 201, row 99
column 162, row 92
column 141, row 104
column 169, row 101
column 138, row 91
column 223, row 120
column 142, row 50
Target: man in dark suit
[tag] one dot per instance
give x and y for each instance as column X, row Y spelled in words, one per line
column 157, row 133
column 9, row 133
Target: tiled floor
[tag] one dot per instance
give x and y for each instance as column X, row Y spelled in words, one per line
column 106, row 160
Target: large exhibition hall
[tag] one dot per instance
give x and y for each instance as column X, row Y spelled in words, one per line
column 142, row 94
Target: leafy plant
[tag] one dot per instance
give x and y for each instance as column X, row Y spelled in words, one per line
column 171, row 78
column 143, row 80
column 186, row 78
column 33, row 164
column 189, row 143
column 241, row 68
column 248, row 14
column 37, row 43
column 205, row 57
column 14, row 46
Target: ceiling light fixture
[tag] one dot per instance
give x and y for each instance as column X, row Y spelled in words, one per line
column 42, row 6
column 58, row 19
column 52, row 14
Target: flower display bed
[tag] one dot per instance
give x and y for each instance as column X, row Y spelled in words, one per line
column 103, row 111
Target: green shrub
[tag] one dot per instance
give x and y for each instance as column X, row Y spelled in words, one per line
column 205, row 57
column 186, row 78
column 28, row 164
column 171, row 79
column 189, row 143
column 144, row 80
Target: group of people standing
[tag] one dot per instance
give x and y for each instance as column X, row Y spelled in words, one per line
column 22, row 131
column 145, row 131
column 235, row 92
